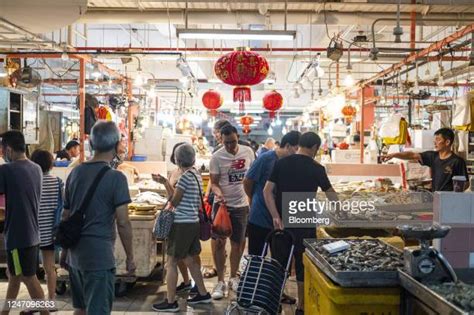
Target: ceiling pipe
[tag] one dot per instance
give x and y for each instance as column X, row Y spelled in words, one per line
column 212, row 17
column 441, row 57
column 28, row 35
column 425, row 52
column 374, row 51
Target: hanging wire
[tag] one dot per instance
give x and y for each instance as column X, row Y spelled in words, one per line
column 59, row 75
column 169, row 23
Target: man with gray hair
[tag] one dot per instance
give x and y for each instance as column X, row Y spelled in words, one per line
column 269, row 145
column 91, row 262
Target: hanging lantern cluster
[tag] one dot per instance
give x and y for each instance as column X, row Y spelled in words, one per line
column 273, row 102
column 241, row 68
column 246, row 121
column 349, row 112
column 212, row 100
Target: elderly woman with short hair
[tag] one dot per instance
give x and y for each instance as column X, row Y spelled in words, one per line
column 183, row 241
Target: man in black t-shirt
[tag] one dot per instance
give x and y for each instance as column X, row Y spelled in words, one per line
column 298, row 173
column 444, row 164
column 20, row 181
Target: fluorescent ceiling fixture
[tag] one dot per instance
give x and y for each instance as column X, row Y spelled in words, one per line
column 214, row 81
column 235, row 34
column 248, row 111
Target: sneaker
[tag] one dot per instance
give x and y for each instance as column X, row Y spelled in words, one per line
column 219, row 289
column 234, row 284
column 200, row 299
column 166, row 307
column 183, row 287
column 194, row 290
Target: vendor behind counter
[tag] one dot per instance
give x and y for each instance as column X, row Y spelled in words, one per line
column 443, row 162
column 71, row 151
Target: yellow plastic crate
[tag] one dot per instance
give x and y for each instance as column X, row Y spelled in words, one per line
column 353, row 233
column 323, row 297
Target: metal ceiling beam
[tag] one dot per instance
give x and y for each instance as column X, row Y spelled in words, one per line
column 215, row 17
column 425, row 52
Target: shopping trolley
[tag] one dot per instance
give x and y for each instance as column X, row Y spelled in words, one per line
column 263, row 280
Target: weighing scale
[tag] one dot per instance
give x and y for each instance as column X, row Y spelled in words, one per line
column 425, row 263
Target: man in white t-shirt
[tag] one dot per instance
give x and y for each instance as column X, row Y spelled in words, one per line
column 228, row 167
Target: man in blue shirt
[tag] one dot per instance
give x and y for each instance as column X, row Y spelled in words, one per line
column 260, row 221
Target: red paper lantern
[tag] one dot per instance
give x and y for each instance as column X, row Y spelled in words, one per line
column 246, row 130
column 246, row 120
column 241, row 68
column 349, row 112
column 273, row 102
column 212, row 100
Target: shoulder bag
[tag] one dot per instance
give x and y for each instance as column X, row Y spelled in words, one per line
column 204, row 220
column 69, row 231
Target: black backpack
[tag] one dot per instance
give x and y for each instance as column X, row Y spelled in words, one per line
column 68, row 232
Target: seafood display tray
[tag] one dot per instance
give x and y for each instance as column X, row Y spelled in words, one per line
column 428, row 296
column 352, row 279
column 382, row 224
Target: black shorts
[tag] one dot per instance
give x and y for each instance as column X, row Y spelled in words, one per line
column 23, row 261
column 299, row 234
column 47, row 247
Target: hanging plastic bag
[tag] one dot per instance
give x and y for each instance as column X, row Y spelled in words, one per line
column 390, row 127
column 462, row 113
column 402, row 136
column 222, row 226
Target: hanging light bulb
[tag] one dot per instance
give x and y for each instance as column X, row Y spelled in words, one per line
column 349, row 80
column 64, row 56
column 138, row 80
column 96, row 71
column 210, row 124
column 278, row 121
column 284, row 130
column 319, row 71
column 440, row 81
column 295, row 93
column 416, row 87
column 273, row 124
column 151, row 92
column 382, row 100
column 427, row 72
column 270, row 131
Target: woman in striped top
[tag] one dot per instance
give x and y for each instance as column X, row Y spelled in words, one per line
column 183, row 240
column 48, row 215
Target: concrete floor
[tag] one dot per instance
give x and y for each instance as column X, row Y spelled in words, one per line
column 141, row 297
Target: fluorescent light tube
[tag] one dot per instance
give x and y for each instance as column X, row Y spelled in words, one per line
column 235, row 34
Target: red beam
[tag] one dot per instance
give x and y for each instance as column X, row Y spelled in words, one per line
column 435, row 47
column 167, row 49
column 75, row 81
column 84, row 57
column 82, row 105
column 76, row 94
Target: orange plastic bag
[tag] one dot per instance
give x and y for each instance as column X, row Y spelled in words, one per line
column 222, row 226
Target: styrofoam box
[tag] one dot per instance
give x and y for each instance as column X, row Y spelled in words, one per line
column 453, row 208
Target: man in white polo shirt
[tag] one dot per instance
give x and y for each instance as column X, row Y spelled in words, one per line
column 228, row 167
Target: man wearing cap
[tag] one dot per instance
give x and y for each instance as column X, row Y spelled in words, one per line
column 72, row 150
